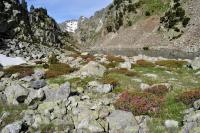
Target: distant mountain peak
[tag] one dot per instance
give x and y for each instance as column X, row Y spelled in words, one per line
column 69, row 26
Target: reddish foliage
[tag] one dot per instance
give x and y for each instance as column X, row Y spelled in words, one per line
column 22, row 70
column 189, row 97
column 56, row 70
column 158, row 90
column 139, row 103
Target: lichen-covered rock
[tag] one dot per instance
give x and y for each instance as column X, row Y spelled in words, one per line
column 92, row 69
column 12, row 128
column 122, row 121
column 16, row 94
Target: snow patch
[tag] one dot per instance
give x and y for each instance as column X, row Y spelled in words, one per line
column 11, row 61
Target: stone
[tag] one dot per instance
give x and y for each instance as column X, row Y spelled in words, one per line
column 39, row 74
column 16, row 94
column 27, row 79
column 38, row 84
column 171, row 125
column 58, row 94
column 2, row 86
column 1, row 74
column 106, row 88
column 12, row 128
column 92, row 69
column 34, row 96
column 122, row 121
column 126, row 65
column 144, row 86
column 196, row 63
column 196, row 104
column 64, row 90
column 100, row 88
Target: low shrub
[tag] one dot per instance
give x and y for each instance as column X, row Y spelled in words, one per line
column 139, row 103
column 109, row 80
column 112, row 58
column 53, row 59
column 111, row 65
column 22, row 70
column 171, row 63
column 158, row 90
column 144, row 63
column 123, row 71
column 189, row 97
column 56, row 70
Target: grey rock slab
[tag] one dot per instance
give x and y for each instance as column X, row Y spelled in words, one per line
column 38, row 84
column 122, row 121
column 12, row 128
column 16, row 94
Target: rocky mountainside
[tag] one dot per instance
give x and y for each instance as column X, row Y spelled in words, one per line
column 69, row 26
column 140, row 24
column 35, row 27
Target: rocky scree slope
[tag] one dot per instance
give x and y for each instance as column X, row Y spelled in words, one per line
column 36, row 28
column 130, row 24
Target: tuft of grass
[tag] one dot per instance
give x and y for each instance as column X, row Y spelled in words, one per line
column 56, row 70
column 123, row 71
column 22, row 70
column 109, row 80
column 111, row 65
column 144, row 63
column 53, row 59
column 112, row 58
column 171, row 63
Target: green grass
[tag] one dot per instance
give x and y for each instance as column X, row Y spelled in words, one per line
column 14, row 113
column 156, row 6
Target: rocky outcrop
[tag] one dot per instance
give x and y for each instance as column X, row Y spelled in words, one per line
column 34, row 27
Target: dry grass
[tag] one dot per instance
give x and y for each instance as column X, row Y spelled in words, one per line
column 111, row 81
column 112, row 58
column 144, row 63
column 123, row 71
column 22, row 70
column 171, row 63
column 56, row 70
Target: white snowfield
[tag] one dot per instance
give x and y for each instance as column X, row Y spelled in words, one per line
column 10, row 61
column 71, row 26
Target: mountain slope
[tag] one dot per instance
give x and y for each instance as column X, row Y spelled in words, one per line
column 172, row 26
column 69, row 26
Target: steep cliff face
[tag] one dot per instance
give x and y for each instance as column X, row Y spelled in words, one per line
column 32, row 27
column 14, row 21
